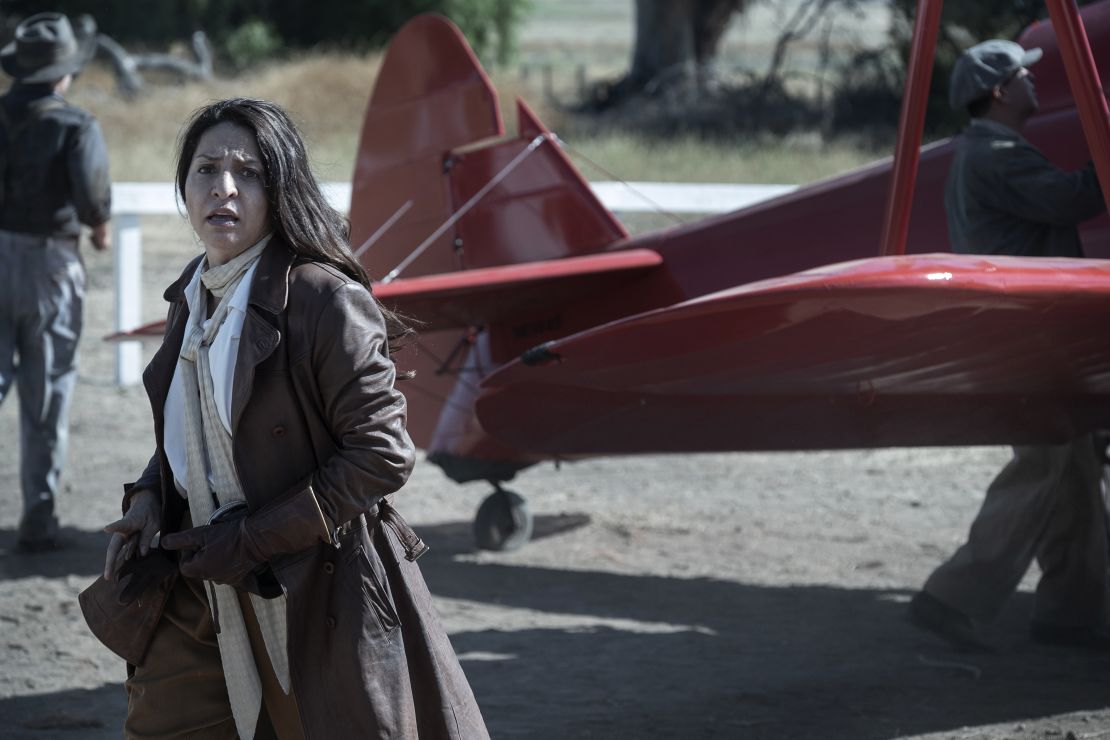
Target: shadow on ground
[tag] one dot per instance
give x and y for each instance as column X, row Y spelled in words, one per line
column 704, row 658
column 76, row 714
column 81, row 553
column 640, row 656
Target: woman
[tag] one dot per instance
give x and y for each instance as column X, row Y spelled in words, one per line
column 302, row 613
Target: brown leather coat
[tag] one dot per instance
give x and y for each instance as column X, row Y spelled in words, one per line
column 313, row 404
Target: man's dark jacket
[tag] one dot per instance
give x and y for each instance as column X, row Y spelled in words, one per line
column 1003, row 196
column 53, row 165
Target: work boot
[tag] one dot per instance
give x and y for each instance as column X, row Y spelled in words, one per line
column 38, row 530
column 928, row 613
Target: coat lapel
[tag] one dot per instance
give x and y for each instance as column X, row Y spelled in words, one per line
column 159, row 373
column 268, row 295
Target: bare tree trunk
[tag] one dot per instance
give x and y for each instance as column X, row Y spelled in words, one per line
column 711, row 20
column 664, row 49
column 676, row 42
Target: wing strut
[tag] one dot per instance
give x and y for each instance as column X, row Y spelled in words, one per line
column 911, row 123
column 1085, row 85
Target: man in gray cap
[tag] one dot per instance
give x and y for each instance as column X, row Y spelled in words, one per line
column 1004, row 197
column 53, row 179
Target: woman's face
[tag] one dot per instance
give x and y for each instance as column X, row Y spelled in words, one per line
column 225, row 192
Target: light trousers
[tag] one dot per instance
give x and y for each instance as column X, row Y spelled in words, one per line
column 42, row 290
column 1045, row 504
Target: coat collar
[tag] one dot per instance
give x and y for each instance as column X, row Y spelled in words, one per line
column 986, row 129
column 176, row 292
column 269, row 293
column 270, row 289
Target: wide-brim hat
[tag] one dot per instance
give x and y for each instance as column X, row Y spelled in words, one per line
column 46, row 48
column 985, row 66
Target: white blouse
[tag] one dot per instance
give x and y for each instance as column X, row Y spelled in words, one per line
column 222, row 354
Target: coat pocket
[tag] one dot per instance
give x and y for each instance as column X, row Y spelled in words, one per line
column 375, row 597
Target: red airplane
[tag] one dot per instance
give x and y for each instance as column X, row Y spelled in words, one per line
column 550, row 333
column 547, row 332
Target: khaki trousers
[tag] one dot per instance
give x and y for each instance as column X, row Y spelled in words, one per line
column 1045, row 504
column 179, row 691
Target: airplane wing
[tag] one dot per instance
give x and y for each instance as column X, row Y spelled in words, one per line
column 923, row 350
column 499, row 294
column 152, row 330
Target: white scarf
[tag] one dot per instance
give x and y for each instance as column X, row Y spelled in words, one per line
column 208, row 451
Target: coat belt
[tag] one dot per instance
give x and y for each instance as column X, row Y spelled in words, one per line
column 384, row 510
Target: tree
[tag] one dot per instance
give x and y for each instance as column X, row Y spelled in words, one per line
column 246, row 31
column 676, row 43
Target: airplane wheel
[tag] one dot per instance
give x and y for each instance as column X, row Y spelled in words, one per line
column 503, row 522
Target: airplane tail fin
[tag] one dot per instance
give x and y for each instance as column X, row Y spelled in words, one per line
column 438, row 187
column 431, row 96
column 434, row 163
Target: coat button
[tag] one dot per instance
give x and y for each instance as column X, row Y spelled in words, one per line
column 278, row 431
column 329, row 567
column 331, row 622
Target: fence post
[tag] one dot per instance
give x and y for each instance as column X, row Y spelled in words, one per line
column 127, row 264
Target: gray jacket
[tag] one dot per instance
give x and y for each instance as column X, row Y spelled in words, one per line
column 1003, row 196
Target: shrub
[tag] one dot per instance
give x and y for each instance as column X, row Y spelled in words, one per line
column 250, row 43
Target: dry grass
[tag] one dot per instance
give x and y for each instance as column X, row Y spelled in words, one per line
column 790, row 160
column 327, row 94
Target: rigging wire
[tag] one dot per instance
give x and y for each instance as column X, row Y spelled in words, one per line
column 612, row 176
column 512, row 165
column 384, row 228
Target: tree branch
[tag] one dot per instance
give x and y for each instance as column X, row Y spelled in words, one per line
column 127, row 66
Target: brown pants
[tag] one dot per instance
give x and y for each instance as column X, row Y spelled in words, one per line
column 179, row 691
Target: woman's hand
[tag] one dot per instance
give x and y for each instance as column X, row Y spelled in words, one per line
column 134, row 531
column 215, row 552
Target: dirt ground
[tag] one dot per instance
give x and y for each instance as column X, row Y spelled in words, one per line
column 712, row 596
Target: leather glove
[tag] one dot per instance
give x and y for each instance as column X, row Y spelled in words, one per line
column 217, row 552
column 147, row 575
column 230, row 551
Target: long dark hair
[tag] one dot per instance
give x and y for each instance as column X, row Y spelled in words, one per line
column 299, row 212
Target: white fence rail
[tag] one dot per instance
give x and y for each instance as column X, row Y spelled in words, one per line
column 132, row 200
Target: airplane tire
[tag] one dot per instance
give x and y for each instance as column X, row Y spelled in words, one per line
column 503, row 522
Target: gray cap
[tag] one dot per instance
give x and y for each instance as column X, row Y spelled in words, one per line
column 983, row 67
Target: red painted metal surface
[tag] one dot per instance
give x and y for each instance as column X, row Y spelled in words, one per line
column 542, row 210
column 427, row 139
column 934, row 349
column 1083, row 76
column 151, row 330
column 542, row 213
column 491, row 295
column 1053, row 89
column 911, row 124
column 431, row 96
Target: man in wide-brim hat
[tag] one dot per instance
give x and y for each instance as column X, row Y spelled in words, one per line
column 46, row 48
column 53, row 179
